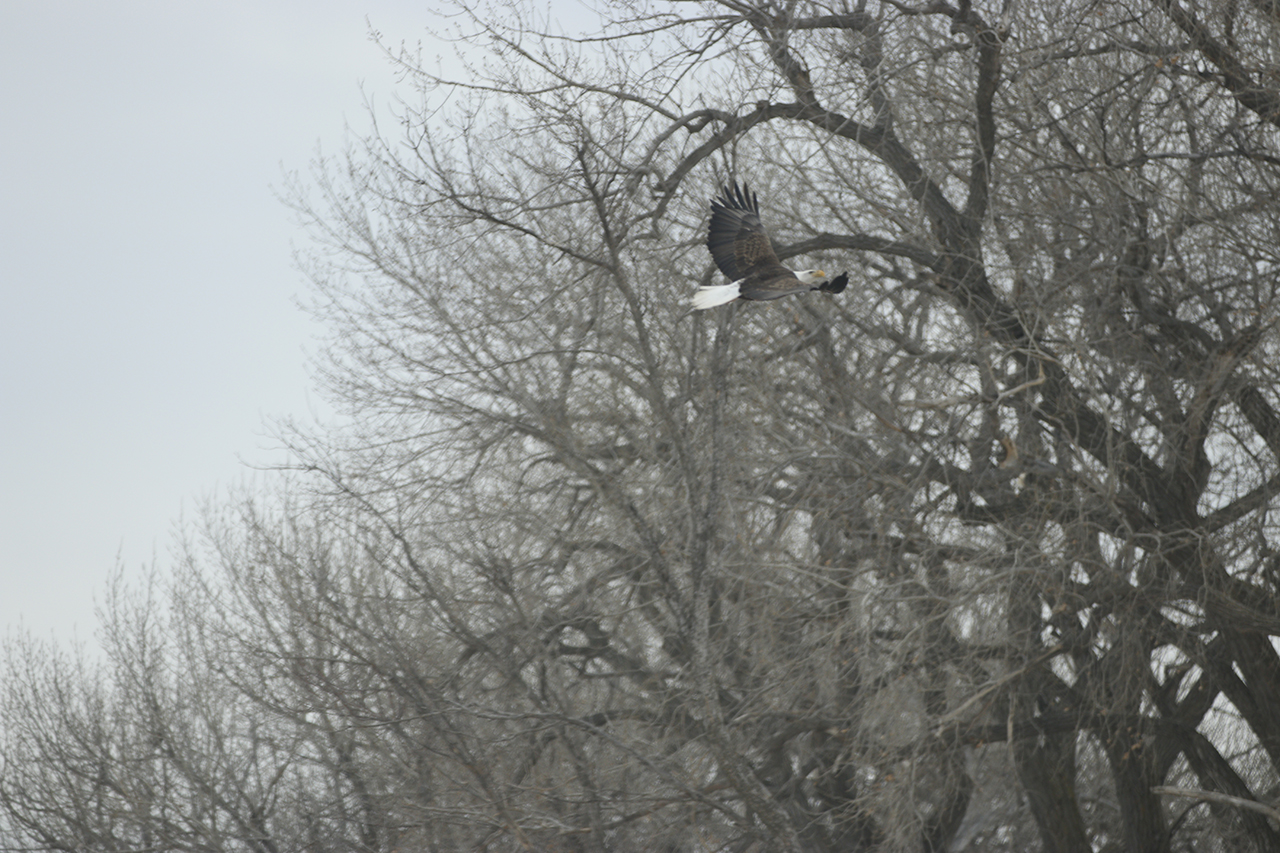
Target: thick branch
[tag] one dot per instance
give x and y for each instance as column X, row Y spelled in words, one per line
column 989, row 50
column 1235, row 76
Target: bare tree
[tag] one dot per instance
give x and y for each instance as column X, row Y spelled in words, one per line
column 142, row 751
column 976, row 555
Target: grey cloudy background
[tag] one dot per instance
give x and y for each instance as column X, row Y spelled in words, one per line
column 148, row 330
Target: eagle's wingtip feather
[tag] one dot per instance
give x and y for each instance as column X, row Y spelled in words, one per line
column 837, row 284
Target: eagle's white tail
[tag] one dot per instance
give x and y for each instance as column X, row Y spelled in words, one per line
column 710, row 297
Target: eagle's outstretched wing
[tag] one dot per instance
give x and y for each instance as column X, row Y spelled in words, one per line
column 738, row 242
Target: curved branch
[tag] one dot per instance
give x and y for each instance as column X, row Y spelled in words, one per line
column 1235, row 76
column 1215, row 797
column 863, row 243
column 856, row 21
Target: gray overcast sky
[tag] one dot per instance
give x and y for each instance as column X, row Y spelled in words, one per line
column 148, row 328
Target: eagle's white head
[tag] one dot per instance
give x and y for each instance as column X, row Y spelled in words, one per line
column 811, row 276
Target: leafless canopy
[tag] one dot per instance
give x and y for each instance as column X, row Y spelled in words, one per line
column 977, row 555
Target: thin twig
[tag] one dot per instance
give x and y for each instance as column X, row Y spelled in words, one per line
column 1225, row 799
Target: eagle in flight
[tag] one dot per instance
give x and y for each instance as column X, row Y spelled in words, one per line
column 742, row 251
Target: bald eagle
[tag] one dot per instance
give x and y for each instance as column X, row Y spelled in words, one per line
column 742, row 251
